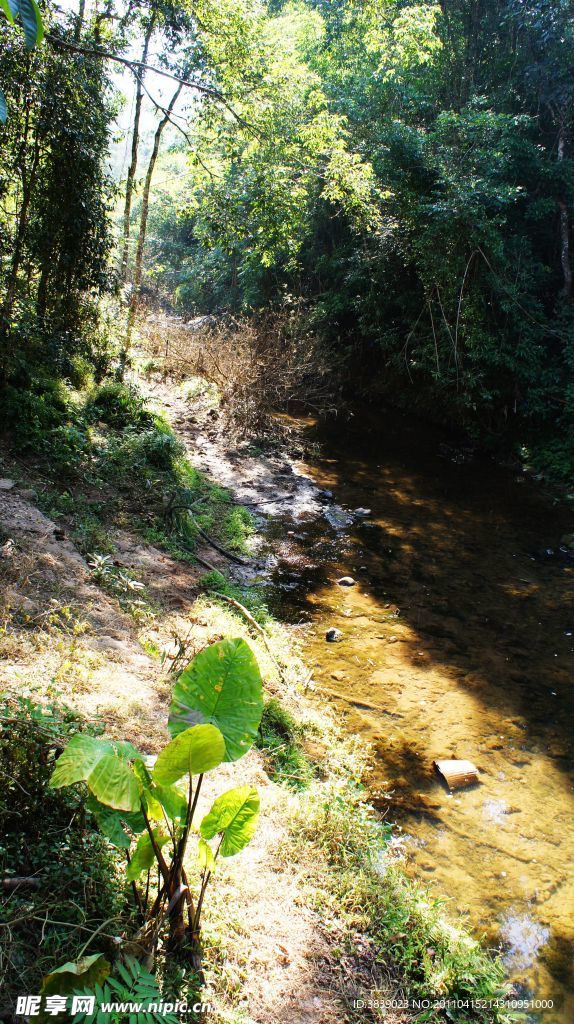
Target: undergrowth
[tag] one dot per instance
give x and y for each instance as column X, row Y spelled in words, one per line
column 71, row 884
column 100, row 459
column 280, row 742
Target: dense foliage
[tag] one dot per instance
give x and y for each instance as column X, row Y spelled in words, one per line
column 61, row 879
column 398, row 173
column 407, row 170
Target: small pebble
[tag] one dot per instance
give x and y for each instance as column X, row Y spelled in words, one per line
column 346, row 581
column 333, row 636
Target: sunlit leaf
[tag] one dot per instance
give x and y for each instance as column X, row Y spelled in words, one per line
column 78, row 760
column 5, row 6
column 194, row 751
column 234, row 815
column 172, row 800
column 143, row 856
column 84, row 973
column 205, row 855
column 114, row 784
column 222, row 686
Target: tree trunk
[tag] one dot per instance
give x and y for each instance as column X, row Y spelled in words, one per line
column 130, row 182
column 138, row 266
column 80, row 21
column 564, row 230
column 28, row 183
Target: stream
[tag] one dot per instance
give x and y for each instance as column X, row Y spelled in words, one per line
column 457, row 642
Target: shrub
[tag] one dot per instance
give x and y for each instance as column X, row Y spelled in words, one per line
column 68, row 448
column 33, row 409
column 215, row 714
column 119, row 405
column 47, row 837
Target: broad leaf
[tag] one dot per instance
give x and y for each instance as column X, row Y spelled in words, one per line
column 172, row 800
column 125, row 749
column 192, row 752
column 84, row 973
column 114, row 784
column 78, row 760
column 32, row 22
column 3, row 108
column 156, row 797
column 143, row 857
column 234, row 815
column 223, row 686
column 5, row 6
column 113, row 823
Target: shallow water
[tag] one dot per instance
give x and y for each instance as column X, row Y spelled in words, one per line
column 457, row 642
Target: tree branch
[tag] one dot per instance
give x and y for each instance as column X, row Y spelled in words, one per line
column 137, row 65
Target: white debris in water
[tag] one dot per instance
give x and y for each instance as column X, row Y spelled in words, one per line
column 494, row 811
column 524, row 937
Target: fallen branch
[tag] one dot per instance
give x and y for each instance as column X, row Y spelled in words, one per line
column 218, row 547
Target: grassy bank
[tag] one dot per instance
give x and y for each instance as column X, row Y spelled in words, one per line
column 320, row 906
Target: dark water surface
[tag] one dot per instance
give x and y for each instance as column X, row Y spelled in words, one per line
column 457, row 642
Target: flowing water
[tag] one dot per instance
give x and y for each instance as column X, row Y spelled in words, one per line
column 457, row 642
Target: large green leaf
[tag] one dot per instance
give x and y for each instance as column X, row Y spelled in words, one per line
column 32, row 22
column 160, row 798
column 78, row 760
column 172, row 800
column 83, row 973
column 192, row 752
column 143, row 855
column 125, row 749
column 3, row 108
column 109, row 777
column 223, row 686
column 234, row 815
column 113, row 823
column 113, row 782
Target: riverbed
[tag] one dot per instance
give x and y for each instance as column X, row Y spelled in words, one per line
column 456, row 642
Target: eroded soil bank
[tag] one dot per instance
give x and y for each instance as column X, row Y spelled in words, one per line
column 456, row 642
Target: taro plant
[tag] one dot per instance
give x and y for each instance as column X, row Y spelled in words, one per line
column 150, row 809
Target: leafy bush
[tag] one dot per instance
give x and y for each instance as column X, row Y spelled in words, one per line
column 68, row 448
column 215, row 714
column 156, row 447
column 119, row 405
column 47, row 837
column 34, row 408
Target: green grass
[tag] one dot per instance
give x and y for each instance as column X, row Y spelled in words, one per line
column 280, row 742
column 103, row 460
column 364, row 884
column 214, row 583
